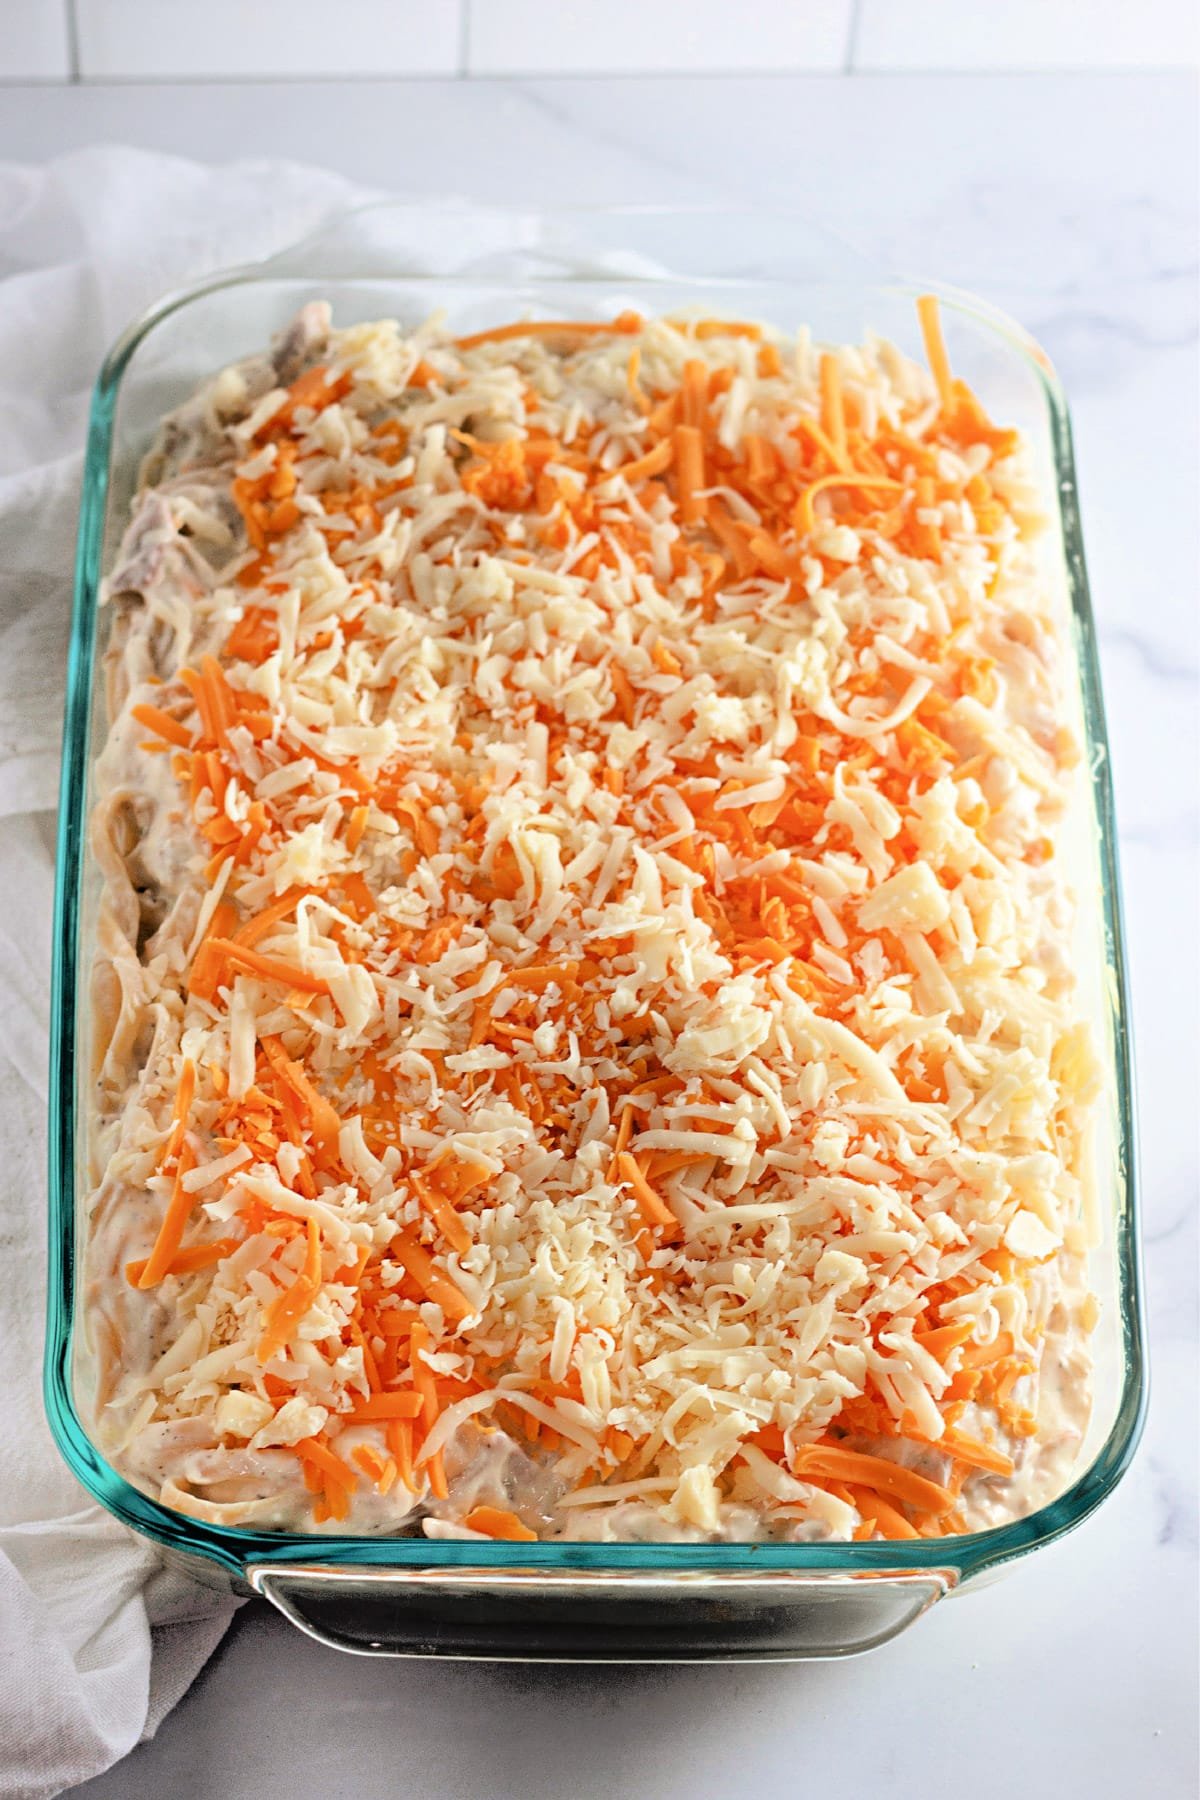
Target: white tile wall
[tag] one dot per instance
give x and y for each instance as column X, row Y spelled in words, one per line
column 143, row 39
column 1026, row 34
column 618, row 37
column 194, row 39
column 34, row 42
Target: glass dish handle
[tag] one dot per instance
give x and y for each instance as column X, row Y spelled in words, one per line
column 585, row 1615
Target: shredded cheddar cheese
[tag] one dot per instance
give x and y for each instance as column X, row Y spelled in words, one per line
column 587, row 1035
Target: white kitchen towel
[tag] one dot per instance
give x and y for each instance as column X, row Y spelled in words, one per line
column 98, row 1639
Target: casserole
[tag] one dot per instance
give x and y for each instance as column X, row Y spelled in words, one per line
column 718, row 1599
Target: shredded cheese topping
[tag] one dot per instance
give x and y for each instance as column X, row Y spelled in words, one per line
column 587, row 1030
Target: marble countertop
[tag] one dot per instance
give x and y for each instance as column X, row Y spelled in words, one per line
column 1070, row 200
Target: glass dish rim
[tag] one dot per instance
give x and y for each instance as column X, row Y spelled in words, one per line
column 233, row 1548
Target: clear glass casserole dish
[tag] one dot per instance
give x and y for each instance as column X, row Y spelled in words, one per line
column 547, row 1601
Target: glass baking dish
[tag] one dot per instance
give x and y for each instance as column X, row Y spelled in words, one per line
column 552, row 1601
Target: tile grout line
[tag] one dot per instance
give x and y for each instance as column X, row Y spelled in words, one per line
column 856, row 7
column 464, row 39
column 1056, row 71
column 72, row 42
